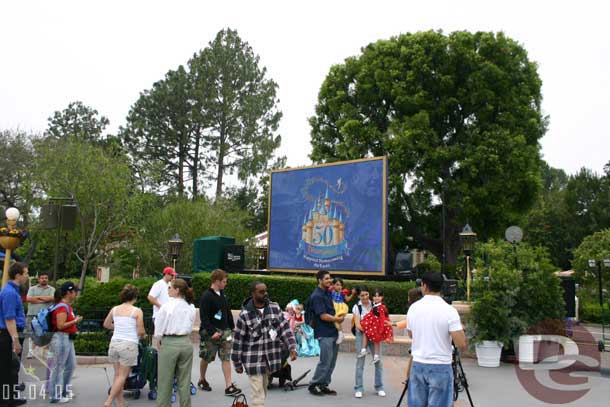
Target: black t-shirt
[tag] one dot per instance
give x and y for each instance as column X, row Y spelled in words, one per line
column 214, row 312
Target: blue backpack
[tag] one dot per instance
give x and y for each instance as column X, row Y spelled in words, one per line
column 41, row 324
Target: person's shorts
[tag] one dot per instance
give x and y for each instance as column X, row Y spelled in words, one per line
column 209, row 348
column 123, row 352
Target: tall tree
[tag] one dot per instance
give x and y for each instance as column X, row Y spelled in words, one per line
column 77, row 120
column 164, row 134
column 16, row 186
column 98, row 182
column 239, row 108
column 458, row 116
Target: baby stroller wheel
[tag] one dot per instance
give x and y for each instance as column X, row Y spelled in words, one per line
column 173, row 397
column 193, row 389
column 136, row 394
column 152, row 395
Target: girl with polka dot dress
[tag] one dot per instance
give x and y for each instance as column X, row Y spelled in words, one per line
column 374, row 326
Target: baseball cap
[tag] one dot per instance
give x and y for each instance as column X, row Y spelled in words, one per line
column 169, row 270
column 68, row 286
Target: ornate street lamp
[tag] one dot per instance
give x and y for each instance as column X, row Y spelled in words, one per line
column 174, row 245
column 10, row 239
column 468, row 238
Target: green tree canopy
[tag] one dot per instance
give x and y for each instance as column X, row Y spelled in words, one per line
column 77, row 120
column 16, row 170
column 99, row 183
column 239, row 108
column 217, row 116
column 457, row 115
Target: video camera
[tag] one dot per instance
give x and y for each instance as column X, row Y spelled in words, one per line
column 449, row 289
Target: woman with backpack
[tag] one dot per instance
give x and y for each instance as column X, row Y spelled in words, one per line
column 63, row 325
column 127, row 322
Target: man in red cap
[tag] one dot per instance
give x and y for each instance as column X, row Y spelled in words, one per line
column 158, row 294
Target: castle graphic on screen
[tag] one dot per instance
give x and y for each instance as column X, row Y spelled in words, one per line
column 323, row 231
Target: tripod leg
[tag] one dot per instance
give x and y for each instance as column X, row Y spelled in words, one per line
column 464, row 382
column 404, row 391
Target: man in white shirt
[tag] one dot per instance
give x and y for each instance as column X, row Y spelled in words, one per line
column 158, row 294
column 433, row 324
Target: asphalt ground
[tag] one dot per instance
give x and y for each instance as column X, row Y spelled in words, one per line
column 488, row 386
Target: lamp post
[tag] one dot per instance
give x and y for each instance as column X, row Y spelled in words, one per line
column 174, row 245
column 10, row 241
column 468, row 238
column 600, row 264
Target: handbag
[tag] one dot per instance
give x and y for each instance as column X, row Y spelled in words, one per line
column 240, row 401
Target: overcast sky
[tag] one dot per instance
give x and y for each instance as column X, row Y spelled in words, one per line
column 104, row 53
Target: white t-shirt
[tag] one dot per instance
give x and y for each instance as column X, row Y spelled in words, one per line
column 365, row 310
column 430, row 321
column 159, row 290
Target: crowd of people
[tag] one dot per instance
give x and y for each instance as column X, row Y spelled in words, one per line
column 258, row 342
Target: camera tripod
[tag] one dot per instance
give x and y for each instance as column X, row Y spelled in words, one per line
column 460, row 383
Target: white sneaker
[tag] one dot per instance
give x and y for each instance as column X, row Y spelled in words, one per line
column 375, row 359
column 340, row 338
column 358, row 395
column 381, row 393
column 362, row 353
column 63, row 400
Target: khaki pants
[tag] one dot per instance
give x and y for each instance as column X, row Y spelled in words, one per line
column 175, row 359
column 258, row 390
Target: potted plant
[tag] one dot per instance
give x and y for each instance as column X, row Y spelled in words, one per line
column 492, row 321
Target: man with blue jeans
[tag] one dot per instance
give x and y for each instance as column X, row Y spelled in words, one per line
column 326, row 333
column 363, row 307
column 12, row 321
column 433, row 324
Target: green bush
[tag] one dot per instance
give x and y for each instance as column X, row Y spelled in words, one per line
column 591, row 312
column 282, row 289
column 92, row 343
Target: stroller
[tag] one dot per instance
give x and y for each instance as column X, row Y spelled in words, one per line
column 139, row 374
column 149, row 374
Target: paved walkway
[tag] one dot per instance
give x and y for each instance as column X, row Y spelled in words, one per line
column 489, row 387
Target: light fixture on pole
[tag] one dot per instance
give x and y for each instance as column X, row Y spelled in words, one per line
column 174, row 245
column 600, row 265
column 10, row 239
column 468, row 238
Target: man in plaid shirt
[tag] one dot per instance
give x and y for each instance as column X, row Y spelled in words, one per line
column 261, row 334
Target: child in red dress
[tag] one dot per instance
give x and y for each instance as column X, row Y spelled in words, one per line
column 374, row 326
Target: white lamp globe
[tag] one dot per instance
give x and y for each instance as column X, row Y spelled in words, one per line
column 12, row 214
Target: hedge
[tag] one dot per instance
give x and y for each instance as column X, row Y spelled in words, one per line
column 282, row 289
column 591, row 312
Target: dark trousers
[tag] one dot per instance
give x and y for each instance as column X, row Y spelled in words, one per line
column 8, row 372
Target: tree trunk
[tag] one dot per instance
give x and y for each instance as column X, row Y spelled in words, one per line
column 181, row 169
column 195, row 166
column 83, row 273
column 221, row 168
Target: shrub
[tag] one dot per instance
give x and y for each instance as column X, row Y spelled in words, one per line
column 282, row 289
column 592, row 312
column 92, row 343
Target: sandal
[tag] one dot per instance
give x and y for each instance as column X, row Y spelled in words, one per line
column 204, row 385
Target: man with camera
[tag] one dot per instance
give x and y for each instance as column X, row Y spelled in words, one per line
column 433, row 325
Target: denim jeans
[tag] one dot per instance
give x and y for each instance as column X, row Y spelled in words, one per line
column 360, row 365
column 430, row 385
column 328, row 358
column 63, row 365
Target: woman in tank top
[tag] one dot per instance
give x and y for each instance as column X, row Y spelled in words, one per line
column 127, row 322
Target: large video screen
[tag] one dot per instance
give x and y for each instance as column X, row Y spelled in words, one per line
column 330, row 217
